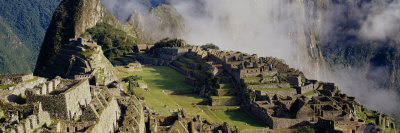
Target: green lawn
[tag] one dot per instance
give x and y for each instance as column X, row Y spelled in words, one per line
column 234, row 118
column 222, row 97
column 159, row 78
column 309, row 93
column 6, row 86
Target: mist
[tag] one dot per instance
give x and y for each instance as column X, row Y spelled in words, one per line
column 276, row 28
column 282, row 29
column 382, row 21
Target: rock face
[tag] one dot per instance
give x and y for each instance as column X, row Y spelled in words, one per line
column 72, row 18
column 164, row 19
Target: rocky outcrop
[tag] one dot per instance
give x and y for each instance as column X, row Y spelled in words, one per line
column 164, row 19
column 72, row 18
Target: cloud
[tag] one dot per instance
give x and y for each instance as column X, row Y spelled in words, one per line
column 382, row 21
column 282, row 28
column 123, row 9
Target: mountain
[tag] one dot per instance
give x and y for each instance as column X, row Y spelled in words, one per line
column 71, row 19
column 164, row 19
column 14, row 55
column 26, row 21
column 281, row 97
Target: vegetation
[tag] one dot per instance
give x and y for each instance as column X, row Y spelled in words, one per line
column 306, row 129
column 167, row 42
column 87, row 53
column 24, row 24
column 5, row 86
column 14, row 56
column 115, row 42
column 309, row 93
column 250, row 96
column 209, row 46
column 160, row 79
column 56, row 92
column 132, row 78
column 222, row 97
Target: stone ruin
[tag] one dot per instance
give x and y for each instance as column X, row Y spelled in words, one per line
column 82, row 58
column 280, row 96
column 184, row 122
column 23, row 118
column 93, row 100
column 14, row 78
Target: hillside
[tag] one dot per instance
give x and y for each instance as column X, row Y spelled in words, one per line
column 27, row 21
column 75, row 17
column 171, row 85
column 14, row 55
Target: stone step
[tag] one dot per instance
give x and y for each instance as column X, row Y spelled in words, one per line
column 224, row 100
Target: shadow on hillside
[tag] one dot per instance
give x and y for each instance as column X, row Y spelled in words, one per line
column 242, row 116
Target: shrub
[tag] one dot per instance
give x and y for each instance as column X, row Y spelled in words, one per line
column 115, row 42
column 306, row 129
column 209, row 46
column 132, row 78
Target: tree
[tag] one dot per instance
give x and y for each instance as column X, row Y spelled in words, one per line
column 132, row 78
column 306, row 129
column 209, row 46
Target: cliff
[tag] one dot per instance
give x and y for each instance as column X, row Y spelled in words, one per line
column 71, row 18
column 160, row 22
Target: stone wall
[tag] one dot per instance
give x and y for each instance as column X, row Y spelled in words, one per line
column 76, row 96
column 134, row 119
column 253, row 72
column 71, row 126
column 168, row 57
column 38, row 119
column 65, row 105
column 265, row 94
column 225, row 92
column 15, row 78
column 20, row 88
column 261, row 114
column 281, row 123
column 47, row 87
column 305, row 89
column 190, row 64
column 225, row 101
column 265, row 86
column 54, row 104
column 109, row 116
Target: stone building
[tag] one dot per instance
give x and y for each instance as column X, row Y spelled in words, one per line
column 15, row 78
column 64, row 101
column 23, row 118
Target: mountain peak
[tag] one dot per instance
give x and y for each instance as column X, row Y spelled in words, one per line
column 71, row 19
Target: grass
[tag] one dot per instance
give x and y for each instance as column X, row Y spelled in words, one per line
column 238, row 118
column 221, row 107
column 252, row 78
column 184, row 67
column 5, row 86
column 222, row 97
column 159, row 78
column 121, row 61
column 309, row 93
column 33, row 79
column 226, row 86
column 224, row 90
column 257, row 78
